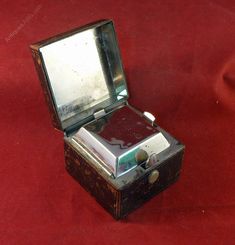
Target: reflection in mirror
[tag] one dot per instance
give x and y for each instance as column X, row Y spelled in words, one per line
column 85, row 72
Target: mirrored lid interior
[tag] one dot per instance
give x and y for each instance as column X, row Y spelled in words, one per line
column 84, row 72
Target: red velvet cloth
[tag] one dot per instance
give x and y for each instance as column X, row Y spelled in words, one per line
column 179, row 58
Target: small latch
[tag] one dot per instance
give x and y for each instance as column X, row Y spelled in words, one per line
column 149, row 116
column 99, row 114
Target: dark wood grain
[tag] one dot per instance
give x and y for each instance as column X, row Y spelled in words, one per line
column 46, row 90
column 120, row 201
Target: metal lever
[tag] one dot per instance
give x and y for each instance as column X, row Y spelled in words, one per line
column 146, row 114
column 150, row 117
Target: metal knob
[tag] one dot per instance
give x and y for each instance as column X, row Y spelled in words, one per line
column 153, row 177
column 141, row 156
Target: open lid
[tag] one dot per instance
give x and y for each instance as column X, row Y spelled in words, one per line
column 83, row 72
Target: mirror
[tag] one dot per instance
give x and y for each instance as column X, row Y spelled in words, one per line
column 85, row 72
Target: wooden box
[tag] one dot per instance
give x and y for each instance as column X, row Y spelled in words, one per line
column 117, row 153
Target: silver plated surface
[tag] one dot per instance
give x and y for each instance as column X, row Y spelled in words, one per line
column 121, row 140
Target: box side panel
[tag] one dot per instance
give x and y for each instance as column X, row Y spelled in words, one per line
column 90, row 179
column 46, row 90
column 141, row 190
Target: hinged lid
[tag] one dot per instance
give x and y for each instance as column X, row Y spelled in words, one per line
column 83, row 72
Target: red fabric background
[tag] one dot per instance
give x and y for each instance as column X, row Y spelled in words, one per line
column 179, row 58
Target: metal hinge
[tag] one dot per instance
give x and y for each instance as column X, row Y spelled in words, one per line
column 99, row 114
